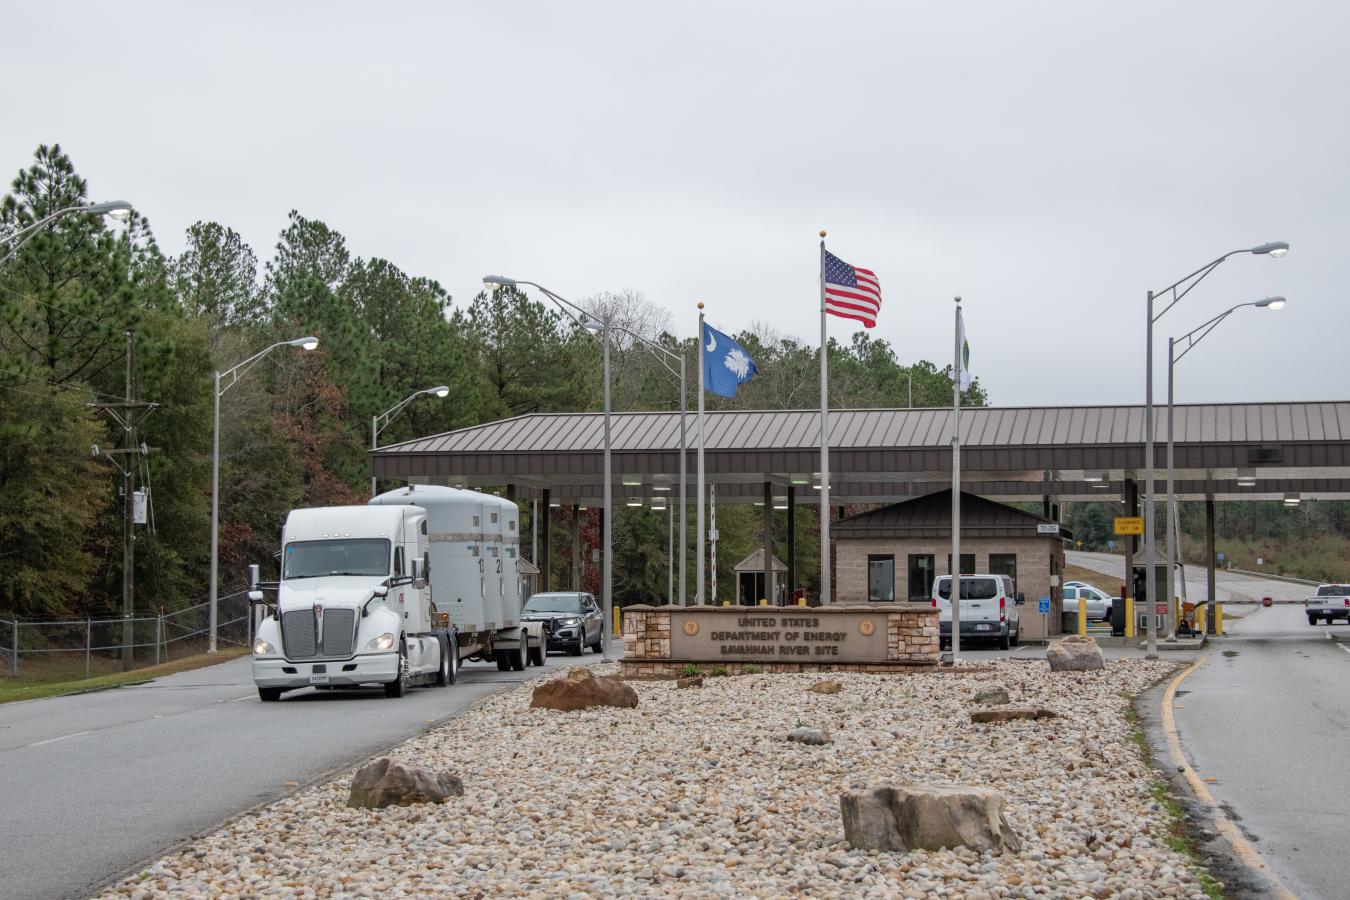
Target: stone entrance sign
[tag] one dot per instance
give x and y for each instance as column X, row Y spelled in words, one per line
column 881, row 637
column 778, row 634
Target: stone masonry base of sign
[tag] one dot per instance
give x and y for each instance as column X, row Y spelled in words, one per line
column 911, row 638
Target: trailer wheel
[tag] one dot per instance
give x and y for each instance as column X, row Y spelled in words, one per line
column 517, row 656
column 537, row 655
column 269, row 695
column 503, row 660
column 399, row 686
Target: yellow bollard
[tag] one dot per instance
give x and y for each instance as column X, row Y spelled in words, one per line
column 1129, row 617
column 726, row 602
column 1082, row 615
column 1218, row 619
column 618, row 628
column 763, row 602
column 802, row 601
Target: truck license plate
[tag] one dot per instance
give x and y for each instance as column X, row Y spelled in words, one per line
column 318, row 679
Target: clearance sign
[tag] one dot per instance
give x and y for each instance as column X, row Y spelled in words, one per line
column 1130, row 525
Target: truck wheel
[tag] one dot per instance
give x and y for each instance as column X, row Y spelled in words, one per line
column 452, row 658
column 503, row 660
column 269, row 695
column 1005, row 640
column 537, row 654
column 517, row 656
column 399, row 686
column 1312, row 620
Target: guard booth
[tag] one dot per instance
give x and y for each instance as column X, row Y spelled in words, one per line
column 750, row 580
column 1143, row 597
column 529, row 575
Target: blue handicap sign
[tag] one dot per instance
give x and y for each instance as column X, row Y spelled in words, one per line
column 1045, row 604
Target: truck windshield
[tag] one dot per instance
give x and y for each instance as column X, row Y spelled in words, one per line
column 971, row 588
column 1334, row 590
column 553, row 603
column 314, row 559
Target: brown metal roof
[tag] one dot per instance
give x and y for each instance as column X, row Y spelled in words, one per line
column 980, row 427
column 878, row 454
column 931, row 517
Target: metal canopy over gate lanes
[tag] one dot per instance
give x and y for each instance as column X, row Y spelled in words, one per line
column 1232, row 451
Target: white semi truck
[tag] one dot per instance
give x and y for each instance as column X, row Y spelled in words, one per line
column 397, row 592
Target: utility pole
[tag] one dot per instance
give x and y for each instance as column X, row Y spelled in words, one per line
column 128, row 414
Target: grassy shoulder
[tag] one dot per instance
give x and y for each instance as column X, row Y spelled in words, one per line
column 54, row 685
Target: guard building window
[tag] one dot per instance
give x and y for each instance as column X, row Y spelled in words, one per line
column 1004, row 564
column 511, row 525
column 922, row 569
column 475, row 521
column 967, row 563
column 494, row 519
column 880, row 577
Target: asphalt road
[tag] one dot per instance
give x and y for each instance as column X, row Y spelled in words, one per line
column 95, row 784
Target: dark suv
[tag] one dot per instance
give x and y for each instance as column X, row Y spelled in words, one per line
column 571, row 620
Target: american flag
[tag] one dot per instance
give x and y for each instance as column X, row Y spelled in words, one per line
column 851, row 292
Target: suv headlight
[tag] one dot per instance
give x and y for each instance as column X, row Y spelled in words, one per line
column 571, row 621
column 383, row 642
column 262, row 648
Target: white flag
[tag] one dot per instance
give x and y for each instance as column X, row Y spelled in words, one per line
column 965, row 354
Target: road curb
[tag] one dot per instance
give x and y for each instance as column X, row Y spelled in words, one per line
column 1242, row 848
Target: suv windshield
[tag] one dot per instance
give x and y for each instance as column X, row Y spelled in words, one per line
column 554, row 603
column 1334, row 590
column 314, row 559
column 971, row 588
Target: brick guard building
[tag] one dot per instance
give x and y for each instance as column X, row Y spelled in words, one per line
column 893, row 554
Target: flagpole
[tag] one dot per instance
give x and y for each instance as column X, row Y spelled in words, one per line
column 824, row 442
column 699, row 596
column 954, row 570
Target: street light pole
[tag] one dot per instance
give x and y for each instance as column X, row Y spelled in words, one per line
column 388, row 416
column 118, row 209
column 308, row 343
column 1275, row 249
column 1172, row 359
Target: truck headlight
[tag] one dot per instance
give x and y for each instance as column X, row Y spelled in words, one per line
column 383, row 642
column 262, row 648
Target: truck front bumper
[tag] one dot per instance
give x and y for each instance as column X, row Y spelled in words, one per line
column 368, row 668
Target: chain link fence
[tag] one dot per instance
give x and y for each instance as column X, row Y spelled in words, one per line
column 93, row 647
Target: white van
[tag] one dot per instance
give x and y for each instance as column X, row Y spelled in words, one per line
column 988, row 610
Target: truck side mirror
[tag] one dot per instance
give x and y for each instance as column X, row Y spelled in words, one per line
column 380, row 591
column 1021, row 598
column 253, row 576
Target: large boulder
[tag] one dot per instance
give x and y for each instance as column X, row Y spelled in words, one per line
column 929, row 817
column 388, row 782
column 572, row 694
column 813, row 737
column 1075, row 654
column 826, row 687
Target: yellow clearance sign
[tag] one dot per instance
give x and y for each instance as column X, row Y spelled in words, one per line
column 1130, row 525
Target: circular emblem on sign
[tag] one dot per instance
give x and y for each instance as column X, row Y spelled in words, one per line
column 691, row 627
column 867, row 627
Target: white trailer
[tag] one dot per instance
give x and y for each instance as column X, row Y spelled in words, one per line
column 396, row 593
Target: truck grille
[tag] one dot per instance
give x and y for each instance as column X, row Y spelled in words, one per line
column 298, row 631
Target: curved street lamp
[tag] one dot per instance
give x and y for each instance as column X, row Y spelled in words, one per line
column 239, row 371
column 116, row 209
column 1180, row 289
column 1191, row 338
column 376, row 427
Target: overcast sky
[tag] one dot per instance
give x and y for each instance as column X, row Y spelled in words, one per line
column 1050, row 163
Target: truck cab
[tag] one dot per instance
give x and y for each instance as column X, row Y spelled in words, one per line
column 352, row 605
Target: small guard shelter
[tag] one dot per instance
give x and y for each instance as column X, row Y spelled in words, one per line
column 750, row 580
column 529, row 574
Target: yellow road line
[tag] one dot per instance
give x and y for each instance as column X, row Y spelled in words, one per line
column 1241, row 846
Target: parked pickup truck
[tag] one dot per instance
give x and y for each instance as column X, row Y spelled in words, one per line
column 1332, row 602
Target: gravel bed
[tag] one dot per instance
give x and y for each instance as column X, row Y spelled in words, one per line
column 696, row 793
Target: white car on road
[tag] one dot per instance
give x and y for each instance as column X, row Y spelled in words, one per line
column 1332, row 602
column 1098, row 601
